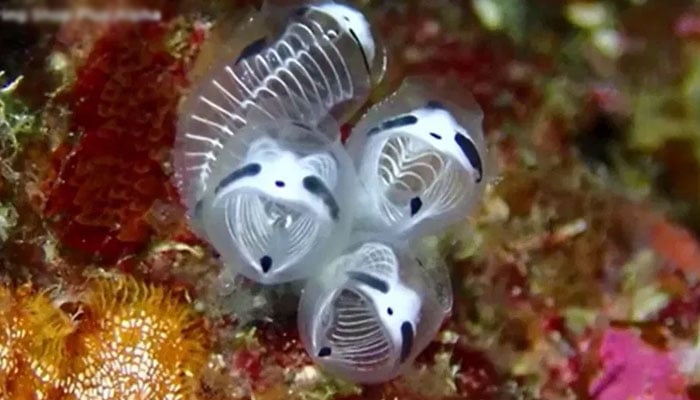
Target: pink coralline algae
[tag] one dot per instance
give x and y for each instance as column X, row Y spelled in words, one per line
column 633, row 370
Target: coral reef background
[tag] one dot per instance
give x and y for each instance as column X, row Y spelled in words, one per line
column 578, row 278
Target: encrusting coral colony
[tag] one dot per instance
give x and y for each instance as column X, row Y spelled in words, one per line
column 576, row 277
column 123, row 339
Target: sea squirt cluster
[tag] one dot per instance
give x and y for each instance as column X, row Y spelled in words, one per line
column 266, row 180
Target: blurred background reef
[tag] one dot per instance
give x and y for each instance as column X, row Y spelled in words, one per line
column 578, row 278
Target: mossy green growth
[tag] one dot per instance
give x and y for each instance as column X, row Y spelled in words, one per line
column 8, row 220
column 17, row 124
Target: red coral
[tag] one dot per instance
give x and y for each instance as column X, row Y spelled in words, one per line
column 124, row 103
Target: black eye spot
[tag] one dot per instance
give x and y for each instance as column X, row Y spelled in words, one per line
column 265, row 263
column 435, row 135
column 279, row 183
column 390, row 311
column 470, row 151
column 246, row 170
column 316, row 187
column 299, row 12
column 301, row 125
column 397, row 122
column 369, row 280
column 416, row 204
column 434, row 104
column 252, row 49
column 324, row 352
column 400, row 121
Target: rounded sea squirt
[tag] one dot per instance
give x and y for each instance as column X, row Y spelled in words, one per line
column 421, row 159
column 283, row 208
column 322, row 64
column 373, row 310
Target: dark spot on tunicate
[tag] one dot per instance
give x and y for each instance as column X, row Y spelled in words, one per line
column 470, row 151
column 390, row 311
column 279, row 183
column 434, row 104
column 265, row 263
column 301, row 125
column 406, row 340
column 198, row 208
column 362, row 50
column 245, row 171
column 369, row 280
column 398, row 122
column 301, row 11
column 316, row 187
column 419, row 262
column 252, row 49
column 324, row 352
column 416, row 204
column 435, row 135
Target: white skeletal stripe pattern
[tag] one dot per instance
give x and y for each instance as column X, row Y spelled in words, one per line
column 373, row 309
column 357, row 335
column 406, row 169
column 301, row 76
column 250, row 228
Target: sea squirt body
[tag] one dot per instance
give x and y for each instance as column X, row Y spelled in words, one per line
column 320, row 66
column 421, row 159
column 373, row 310
column 283, row 209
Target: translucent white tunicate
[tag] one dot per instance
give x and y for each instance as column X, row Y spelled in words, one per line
column 320, row 66
column 371, row 311
column 278, row 207
column 421, row 159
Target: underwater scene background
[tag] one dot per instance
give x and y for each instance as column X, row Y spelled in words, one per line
column 577, row 278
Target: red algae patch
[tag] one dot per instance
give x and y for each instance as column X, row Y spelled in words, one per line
column 124, row 104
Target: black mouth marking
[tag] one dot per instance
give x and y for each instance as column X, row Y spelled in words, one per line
column 362, row 51
column 316, row 187
column 398, row 122
column 245, row 171
column 416, row 204
column 471, row 153
column 265, row 263
column 406, row 340
column 252, row 49
column 369, row 280
column 434, row 105
column 324, row 352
